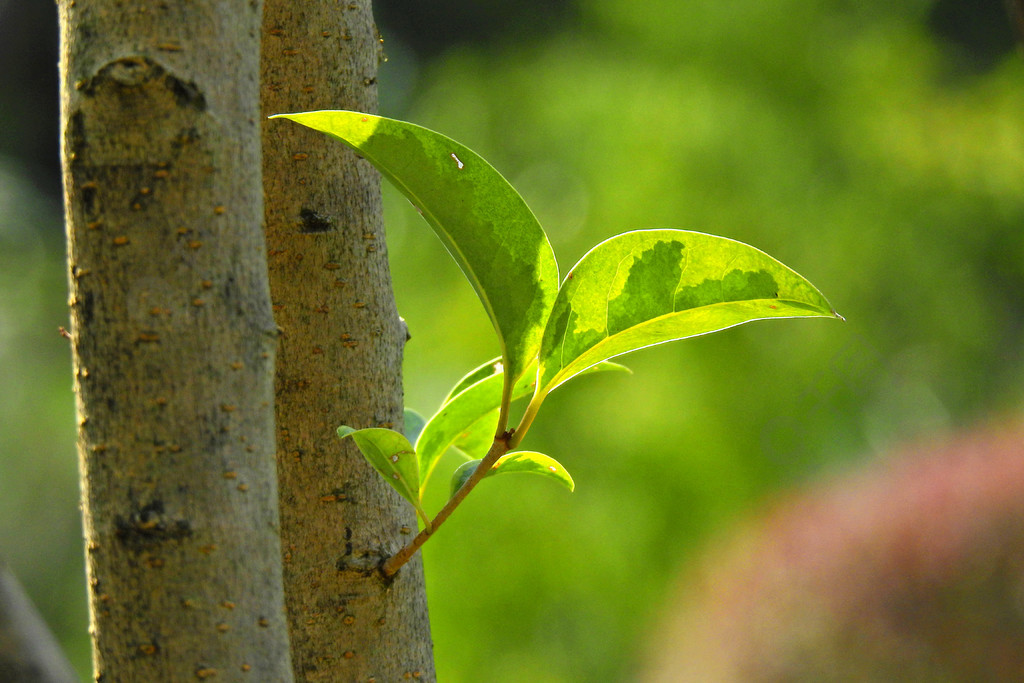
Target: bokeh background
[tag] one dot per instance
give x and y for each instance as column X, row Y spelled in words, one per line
column 875, row 147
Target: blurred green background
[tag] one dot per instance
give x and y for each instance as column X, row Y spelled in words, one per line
column 875, row 147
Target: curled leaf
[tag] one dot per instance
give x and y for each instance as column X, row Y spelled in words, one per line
column 531, row 462
column 489, row 369
column 523, row 462
column 475, row 409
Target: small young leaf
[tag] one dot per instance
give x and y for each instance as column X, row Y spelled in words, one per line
column 462, row 474
column 648, row 287
column 526, row 462
column 484, row 223
column 391, row 454
column 531, row 462
column 477, row 404
column 413, row 424
column 468, row 418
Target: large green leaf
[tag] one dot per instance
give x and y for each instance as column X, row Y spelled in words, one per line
column 391, row 454
column 653, row 286
column 477, row 438
column 482, row 220
column 524, row 462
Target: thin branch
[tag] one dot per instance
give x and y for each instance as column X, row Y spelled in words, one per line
column 499, row 448
column 519, row 432
column 503, row 443
column 28, row 650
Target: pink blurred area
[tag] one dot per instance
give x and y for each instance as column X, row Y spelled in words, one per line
column 909, row 569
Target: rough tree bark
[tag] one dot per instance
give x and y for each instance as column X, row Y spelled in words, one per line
column 339, row 359
column 173, row 339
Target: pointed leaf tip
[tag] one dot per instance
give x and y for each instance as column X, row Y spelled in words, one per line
column 648, row 287
column 394, row 458
column 481, row 219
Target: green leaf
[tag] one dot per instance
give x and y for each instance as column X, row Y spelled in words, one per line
column 476, row 440
column 531, row 462
column 462, row 474
column 413, row 424
column 391, row 454
column 488, row 369
column 474, row 408
column 482, row 220
column 493, row 367
column 469, row 417
column 648, row 287
column 525, row 462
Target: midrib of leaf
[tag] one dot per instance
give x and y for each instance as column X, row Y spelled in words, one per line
column 562, row 358
column 460, row 257
column 483, row 263
column 573, row 367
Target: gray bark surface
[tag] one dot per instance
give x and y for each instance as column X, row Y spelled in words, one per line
column 339, row 359
column 173, row 339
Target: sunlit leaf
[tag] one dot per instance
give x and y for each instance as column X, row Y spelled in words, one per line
column 531, row 462
column 476, row 405
column 391, row 454
column 468, row 419
column 524, row 462
column 648, row 287
column 493, row 367
column 476, row 440
column 488, row 369
column 482, row 220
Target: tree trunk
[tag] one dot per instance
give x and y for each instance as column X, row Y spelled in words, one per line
column 339, row 360
column 173, row 339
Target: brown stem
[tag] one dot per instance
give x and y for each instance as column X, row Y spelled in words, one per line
column 28, row 650
column 499, row 448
